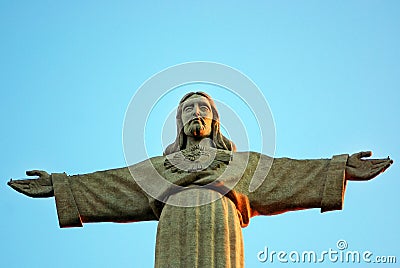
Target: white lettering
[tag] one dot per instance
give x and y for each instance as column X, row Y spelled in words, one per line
column 261, row 254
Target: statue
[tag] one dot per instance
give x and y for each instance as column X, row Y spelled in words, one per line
column 206, row 230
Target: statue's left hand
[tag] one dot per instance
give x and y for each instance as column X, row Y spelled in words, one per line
column 40, row 187
column 358, row 169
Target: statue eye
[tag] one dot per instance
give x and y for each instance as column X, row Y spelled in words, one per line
column 204, row 108
column 188, row 109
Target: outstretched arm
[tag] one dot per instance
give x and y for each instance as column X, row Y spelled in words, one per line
column 301, row 184
column 103, row 196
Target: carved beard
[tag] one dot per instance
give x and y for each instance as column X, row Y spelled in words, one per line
column 195, row 126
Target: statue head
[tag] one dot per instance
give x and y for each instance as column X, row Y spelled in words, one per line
column 197, row 117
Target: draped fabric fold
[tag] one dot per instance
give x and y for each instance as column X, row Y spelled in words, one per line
column 207, row 235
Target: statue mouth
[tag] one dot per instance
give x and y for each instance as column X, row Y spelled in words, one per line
column 196, row 125
column 198, row 120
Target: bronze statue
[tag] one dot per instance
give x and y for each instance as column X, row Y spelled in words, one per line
column 216, row 196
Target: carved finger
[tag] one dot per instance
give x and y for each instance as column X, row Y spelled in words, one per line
column 378, row 161
column 12, row 184
column 22, row 185
column 379, row 169
column 22, row 188
column 16, row 182
column 364, row 154
column 32, row 172
column 25, row 186
column 384, row 165
column 389, row 163
column 39, row 173
column 355, row 159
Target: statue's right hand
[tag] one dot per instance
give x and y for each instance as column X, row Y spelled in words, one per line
column 40, row 187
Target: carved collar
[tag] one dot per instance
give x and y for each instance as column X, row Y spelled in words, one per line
column 197, row 158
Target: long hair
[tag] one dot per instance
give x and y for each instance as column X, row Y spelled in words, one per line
column 220, row 141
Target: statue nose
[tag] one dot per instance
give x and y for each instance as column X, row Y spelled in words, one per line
column 196, row 111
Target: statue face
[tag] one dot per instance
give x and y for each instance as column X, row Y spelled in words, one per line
column 197, row 117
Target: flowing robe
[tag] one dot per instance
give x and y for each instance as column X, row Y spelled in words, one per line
column 208, row 235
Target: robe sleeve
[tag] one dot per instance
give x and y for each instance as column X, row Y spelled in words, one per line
column 300, row 184
column 103, row 196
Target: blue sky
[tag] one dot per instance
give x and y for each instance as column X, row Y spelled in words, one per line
column 329, row 70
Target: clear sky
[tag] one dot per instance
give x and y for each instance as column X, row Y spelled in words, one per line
column 330, row 71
